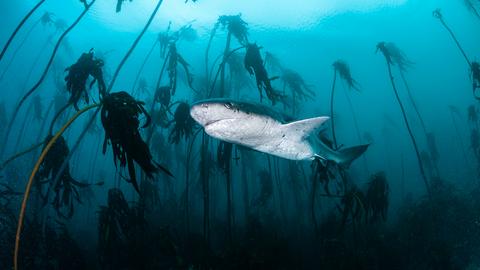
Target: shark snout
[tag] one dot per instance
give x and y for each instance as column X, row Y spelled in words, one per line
column 199, row 112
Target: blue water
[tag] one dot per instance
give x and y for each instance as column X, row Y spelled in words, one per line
column 409, row 202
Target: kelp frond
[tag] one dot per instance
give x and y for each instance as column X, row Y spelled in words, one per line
column 236, row 26
column 183, row 123
column 78, row 73
column 254, row 65
column 394, row 55
column 120, row 119
column 342, row 68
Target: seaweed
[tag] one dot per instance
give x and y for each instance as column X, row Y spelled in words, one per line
column 78, row 73
column 377, row 198
column 119, row 5
column 342, row 69
column 394, row 57
column 255, row 66
column 174, row 59
column 235, row 26
column 120, row 119
column 183, row 124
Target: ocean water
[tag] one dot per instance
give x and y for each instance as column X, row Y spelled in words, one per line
column 162, row 134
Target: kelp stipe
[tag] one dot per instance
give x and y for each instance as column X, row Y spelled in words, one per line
column 43, row 75
column 396, row 59
column 32, row 177
column 19, row 26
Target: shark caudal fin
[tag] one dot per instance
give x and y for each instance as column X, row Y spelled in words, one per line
column 302, row 129
column 347, row 155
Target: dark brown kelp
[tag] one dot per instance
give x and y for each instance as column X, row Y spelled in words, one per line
column 377, row 198
column 183, row 123
column 112, row 82
column 78, row 73
column 473, row 6
column 120, row 119
column 19, row 26
column 341, row 69
column 43, row 76
column 45, row 20
column 255, row 66
column 438, row 14
column 119, row 5
column 398, row 60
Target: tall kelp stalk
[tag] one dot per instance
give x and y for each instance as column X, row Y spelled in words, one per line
column 45, row 20
column 19, row 26
column 473, row 6
column 142, row 66
column 438, row 14
column 394, row 59
column 42, row 77
column 474, row 66
column 110, row 86
column 32, row 177
column 75, row 146
column 342, row 69
column 224, row 156
column 236, row 27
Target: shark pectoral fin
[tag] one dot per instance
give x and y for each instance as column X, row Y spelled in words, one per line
column 304, row 128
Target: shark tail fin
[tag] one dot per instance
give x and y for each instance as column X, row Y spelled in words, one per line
column 303, row 128
column 348, row 155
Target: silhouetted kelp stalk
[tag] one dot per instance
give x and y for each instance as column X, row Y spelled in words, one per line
column 75, row 146
column 238, row 28
column 19, row 26
column 343, row 70
column 46, row 19
column 142, row 66
column 42, row 77
column 437, row 14
column 78, row 73
column 472, row 6
column 112, row 82
column 224, row 157
column 474, row 66
column 34, row 172
column 396, row 60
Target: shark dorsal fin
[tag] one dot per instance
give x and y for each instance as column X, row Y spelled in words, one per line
column 303, row 128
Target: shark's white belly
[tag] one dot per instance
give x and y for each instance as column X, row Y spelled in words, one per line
column 263, row 134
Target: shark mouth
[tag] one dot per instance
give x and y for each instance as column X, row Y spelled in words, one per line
column 215, row 121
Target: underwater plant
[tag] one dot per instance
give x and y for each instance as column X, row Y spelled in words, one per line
column 255, row 66
column 475, row 74
column 342, row 69
column 19, row 26
column 236, row 26
column 473, row 6
column 377, row 198
column 352, row 207
column 224, row 157
column 78, row 73
column 392, row 57
column 119, row 5
column 42, row 76
column 474, row 66
column 120, row 119
column 66, row 189
column 183, row 123
column 45, row 20
column 174, row 58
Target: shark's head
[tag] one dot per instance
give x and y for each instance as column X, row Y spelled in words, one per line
column 209, row 112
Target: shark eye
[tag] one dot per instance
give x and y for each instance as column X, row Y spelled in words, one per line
column 228, row 105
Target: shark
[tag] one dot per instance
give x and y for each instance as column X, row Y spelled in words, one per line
column 266, row 130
